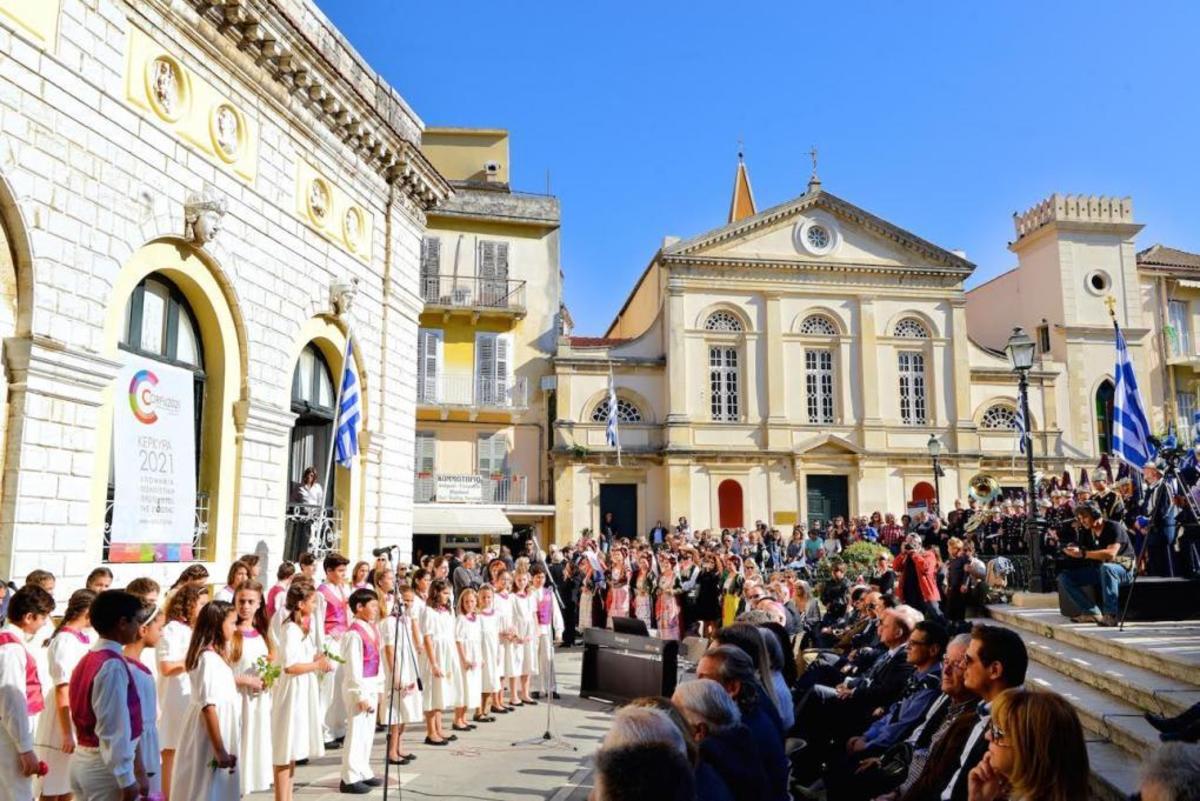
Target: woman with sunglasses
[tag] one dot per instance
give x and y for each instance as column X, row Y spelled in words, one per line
column 1035, row 751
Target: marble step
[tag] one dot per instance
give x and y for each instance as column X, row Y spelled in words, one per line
column 1146, row 689
column 1171, row 648
column 1114, row 772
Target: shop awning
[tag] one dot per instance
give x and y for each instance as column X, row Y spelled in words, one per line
column 450, row 518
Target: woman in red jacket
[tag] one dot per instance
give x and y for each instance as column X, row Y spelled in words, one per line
column 916, row 577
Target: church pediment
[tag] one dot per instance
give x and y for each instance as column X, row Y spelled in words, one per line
column 828, row 445
column 817, row 228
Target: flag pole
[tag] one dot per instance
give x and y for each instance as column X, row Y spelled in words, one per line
column 347, row 356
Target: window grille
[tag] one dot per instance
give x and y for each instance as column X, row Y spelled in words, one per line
column 723, row 383
column 999, row 418
column 723, row 321
column 626, row 412
column 912, row 388
column 818, row 376
column 910, row 328
column 817, row 325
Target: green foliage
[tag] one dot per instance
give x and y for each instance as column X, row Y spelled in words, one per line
column 859, row 558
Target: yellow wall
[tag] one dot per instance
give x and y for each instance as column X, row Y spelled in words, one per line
column 461, row 153
column 458, row 337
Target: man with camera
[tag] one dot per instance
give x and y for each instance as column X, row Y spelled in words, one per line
column 1104, row 558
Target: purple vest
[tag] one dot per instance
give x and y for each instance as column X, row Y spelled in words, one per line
column 544, row 611
column 370, row 652
column 335, row 610
column 80, row 694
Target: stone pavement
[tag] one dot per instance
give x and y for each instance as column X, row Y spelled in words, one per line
column 483, row 765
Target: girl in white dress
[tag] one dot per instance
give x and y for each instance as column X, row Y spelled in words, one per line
column 525, row 620
column 174, row 689
column 406, row 695
column 238, row 572
column 150, row 625
column 206, row 757
column 421, row 581
column 510, row 645
column 55, row 735
column 440, row 667
column 489, row 645
column 295, row 702
column 467, row 635
column 252, row 642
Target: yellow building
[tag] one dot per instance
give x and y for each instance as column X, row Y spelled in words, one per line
column 491, row 287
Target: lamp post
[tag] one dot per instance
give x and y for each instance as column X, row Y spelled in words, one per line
column 935, row 450
column 1020, row 350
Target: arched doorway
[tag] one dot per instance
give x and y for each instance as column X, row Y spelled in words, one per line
column 729, row 504
column 1104, row 416
column 922, row 495
column 313, row 399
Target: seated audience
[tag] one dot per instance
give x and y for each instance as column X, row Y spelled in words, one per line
column 641, row 772
column 1172, row 773
column 753, row 640
column 728, row 766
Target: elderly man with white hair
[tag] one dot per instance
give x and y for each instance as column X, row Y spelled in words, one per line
column 1172, row 773
column 727, row 767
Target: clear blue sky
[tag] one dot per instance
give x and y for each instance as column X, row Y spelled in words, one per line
column 941, row 118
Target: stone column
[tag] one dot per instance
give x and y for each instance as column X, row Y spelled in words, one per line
column 777, row 435
column 868, row 375
column 264, row 435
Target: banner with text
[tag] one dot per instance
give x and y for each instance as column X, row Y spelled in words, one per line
column 154, row 463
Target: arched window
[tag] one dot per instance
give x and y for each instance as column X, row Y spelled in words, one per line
column 999, row 417
column 160, row 325
column 722, row 320
column 910, row 328
column 313, row 398
column 1104, row 416
column 626, row 412
column 818, row 325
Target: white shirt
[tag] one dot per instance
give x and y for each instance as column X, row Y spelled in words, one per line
column 313, row 496
column 110, row 701
column 14, row 709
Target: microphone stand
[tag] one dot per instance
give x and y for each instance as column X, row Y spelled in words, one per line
column 407, row 646
column 547, row 738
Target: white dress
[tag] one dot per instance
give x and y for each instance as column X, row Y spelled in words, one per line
column 174, row 692
column 468, row 633
column 406, row 698
column 510, row 651
column 525, row 608
column 254, row 759
column 441, row 692
column 295, row 702
column 63, row 655
column 193, row 779
column 148, row 745
column 489, row 643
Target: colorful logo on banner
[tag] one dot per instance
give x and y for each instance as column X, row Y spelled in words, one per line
column 141, row 396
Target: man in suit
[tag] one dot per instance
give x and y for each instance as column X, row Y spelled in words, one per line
column 995, row 661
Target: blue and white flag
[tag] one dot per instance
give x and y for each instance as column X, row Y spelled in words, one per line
column 1022, row 434
column 612, row 434
column 349, row 418
column 1131, row 429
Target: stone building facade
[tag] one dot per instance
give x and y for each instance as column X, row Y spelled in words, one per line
column 115, row 116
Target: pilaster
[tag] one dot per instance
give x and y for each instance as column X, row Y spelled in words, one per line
column 868, row 375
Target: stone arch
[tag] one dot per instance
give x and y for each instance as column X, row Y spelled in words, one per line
column 197, row 274
column 18, row 251
column 722, row 306
column 634, row 397
column 931, row 326
column 999, row 400
column 820, row 311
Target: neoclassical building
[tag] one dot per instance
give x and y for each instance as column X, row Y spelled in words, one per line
column 220, row 193
column 794, row 363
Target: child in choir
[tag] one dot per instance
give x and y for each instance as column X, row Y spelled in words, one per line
column 106, row 707
column 252, row 643
column 195, row 575
column 510, row 642
column 174, row 688
column 55, row 735
column 99, row 580
column 238, row 572
column 252, row 563
column 441, row 662
column 296, row 703
column 549, row 630
column 283, row 577
column 525, row 619
column 358, row 576
column 20, row 691
column 206, row 766
column 44, row 579
column 467, row 639
column 334, row 614
column 360, row 649
column 150, row 623
column 405, row 682
column 489, row 655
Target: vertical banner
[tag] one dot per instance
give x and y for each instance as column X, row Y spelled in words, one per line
column 154, row 462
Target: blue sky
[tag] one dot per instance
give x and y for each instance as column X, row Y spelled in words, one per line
column 941, row 118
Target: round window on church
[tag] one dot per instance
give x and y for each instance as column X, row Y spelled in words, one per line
column 1097, row 282
column 818, row 237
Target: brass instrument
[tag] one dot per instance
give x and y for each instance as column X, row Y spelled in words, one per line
column 984, row 490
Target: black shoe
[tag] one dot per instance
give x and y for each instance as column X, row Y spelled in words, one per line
column 1189, row 734
column 530, row 702
column 452, row 738
column 358, row 788
column 429, row 741
column 333, row 745
column 301, row 761
column 555, row 695
column 380, row 727
column 468, row 727
column 374, row 781
column 500, row 710
column 536, row 694
column 1180, row 721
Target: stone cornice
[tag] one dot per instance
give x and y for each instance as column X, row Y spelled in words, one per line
column 48, row 367
column 294, row 43
column 811, row 264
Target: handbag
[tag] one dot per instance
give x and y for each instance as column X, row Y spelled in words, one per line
column 895, row 761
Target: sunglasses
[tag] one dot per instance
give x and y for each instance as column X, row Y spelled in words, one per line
column 995, row 733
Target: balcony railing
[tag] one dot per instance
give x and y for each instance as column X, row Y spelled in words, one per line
column 199, row 549
column 451, row 389
column 312, row 528
column 473, row 292
column 469, row 488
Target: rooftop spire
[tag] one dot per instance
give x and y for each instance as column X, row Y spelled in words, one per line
column 742, row 205
column 814, row 182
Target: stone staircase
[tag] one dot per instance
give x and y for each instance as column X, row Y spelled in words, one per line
column 1111, row 677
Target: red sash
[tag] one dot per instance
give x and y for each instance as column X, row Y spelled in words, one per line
column 80, row 695
column 34, row 701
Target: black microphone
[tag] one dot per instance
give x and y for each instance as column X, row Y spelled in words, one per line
column 384, row 551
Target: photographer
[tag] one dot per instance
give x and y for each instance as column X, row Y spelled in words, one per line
column 1159, row 521
column 916, row 577
column 1108, row 565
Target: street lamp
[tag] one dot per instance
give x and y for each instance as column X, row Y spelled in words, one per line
column 935, row 450
column 1020, row 350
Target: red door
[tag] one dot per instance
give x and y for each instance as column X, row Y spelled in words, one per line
column 729, row 504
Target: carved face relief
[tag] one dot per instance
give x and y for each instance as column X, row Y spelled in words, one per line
column 165, row 86
column 207, row 227
column 227, row 130
column 318, row 200
column 353, row 225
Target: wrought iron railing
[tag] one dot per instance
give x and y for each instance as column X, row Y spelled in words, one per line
column 464, row 389
column 473, row 292
column 470, row 488
column 200, row 543
column 316, row 529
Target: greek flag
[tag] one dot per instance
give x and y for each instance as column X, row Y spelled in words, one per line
column 611, row 435
column 349, row 412
column 1131, row 430
column 1022, row 434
